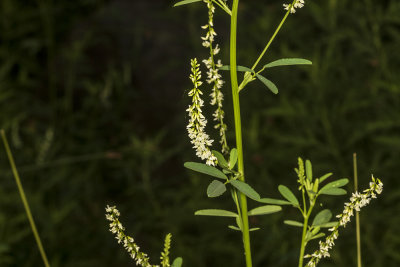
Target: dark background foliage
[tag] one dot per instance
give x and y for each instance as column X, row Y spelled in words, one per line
column 93, row 96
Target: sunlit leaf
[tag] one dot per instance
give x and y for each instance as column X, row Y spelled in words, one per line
column 287, row 193
column 263, row 210
column 203, row 168
column 274, row 201
column 177, row 262
column 215, row 189
column 221, row 159
column 216, row 212
column 271, row 86
column 233, row 158
column 245, row 189
column 322, row 217
column 293, row 223
column 288, row 62
column 332, row 185
column 333, row 191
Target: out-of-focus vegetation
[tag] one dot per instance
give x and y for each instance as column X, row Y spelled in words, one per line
column 93, row 98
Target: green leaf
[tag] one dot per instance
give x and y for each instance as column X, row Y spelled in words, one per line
column 274, row 201
column 203, row 168
column 263, row 210
column 254, row 229
column 245, row 189
column 185, row 2
column 221, row 160
column 316, row 236
column 234, row 227
column 215, row 189
column 324, row 177
column 271, row 86
column 333, row 191
column 177, row 262
column 238, row 68
column 334, row 184
column 286, row 193
column 216, row 212
column 322, row 217
column 309, row 170
column 288, row 62
column 293, row 223
column 329, row 224
column 233, row 158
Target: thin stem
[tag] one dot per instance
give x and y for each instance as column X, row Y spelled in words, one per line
column 270, row 40
column 24, row 200
column 303, row 237
column 358, row 236
column 238, row 131
column 303, row 243
column 223, row 6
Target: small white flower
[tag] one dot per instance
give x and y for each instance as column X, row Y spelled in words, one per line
column 357, row 201
column 292, row 7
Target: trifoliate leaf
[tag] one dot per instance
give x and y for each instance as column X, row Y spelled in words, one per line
column 215, row 189
column 203, row 168
column 245, row 189
column 287, row 193
column 322, row 217
column 271, row 86
column 221, row 160
column 324, row 177
column 334, row 184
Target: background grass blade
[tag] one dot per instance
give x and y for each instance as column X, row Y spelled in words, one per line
column 24, row 200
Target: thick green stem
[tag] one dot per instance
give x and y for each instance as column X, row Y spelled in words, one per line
column 24, row 200
column 238, row 131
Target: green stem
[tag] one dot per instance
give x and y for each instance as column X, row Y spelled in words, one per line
column 24, row 200
column 303, row 237
column 270, row 40
column 238, row 131
column 358, row 235
column 303, row 243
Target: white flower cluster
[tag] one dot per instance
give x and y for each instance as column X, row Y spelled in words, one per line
column 213, row 77
column 294, row 5
column 112, row 215
column 197, row 122
column 357, row 201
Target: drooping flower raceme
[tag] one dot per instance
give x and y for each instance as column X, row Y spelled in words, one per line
column 294, row 5
column 197, row 122
column 141, row 259
column 213, row 77
column 357, row 201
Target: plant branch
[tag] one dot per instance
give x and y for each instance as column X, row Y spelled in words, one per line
column 238, row 131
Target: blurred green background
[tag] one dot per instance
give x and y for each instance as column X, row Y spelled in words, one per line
column 93, row 96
